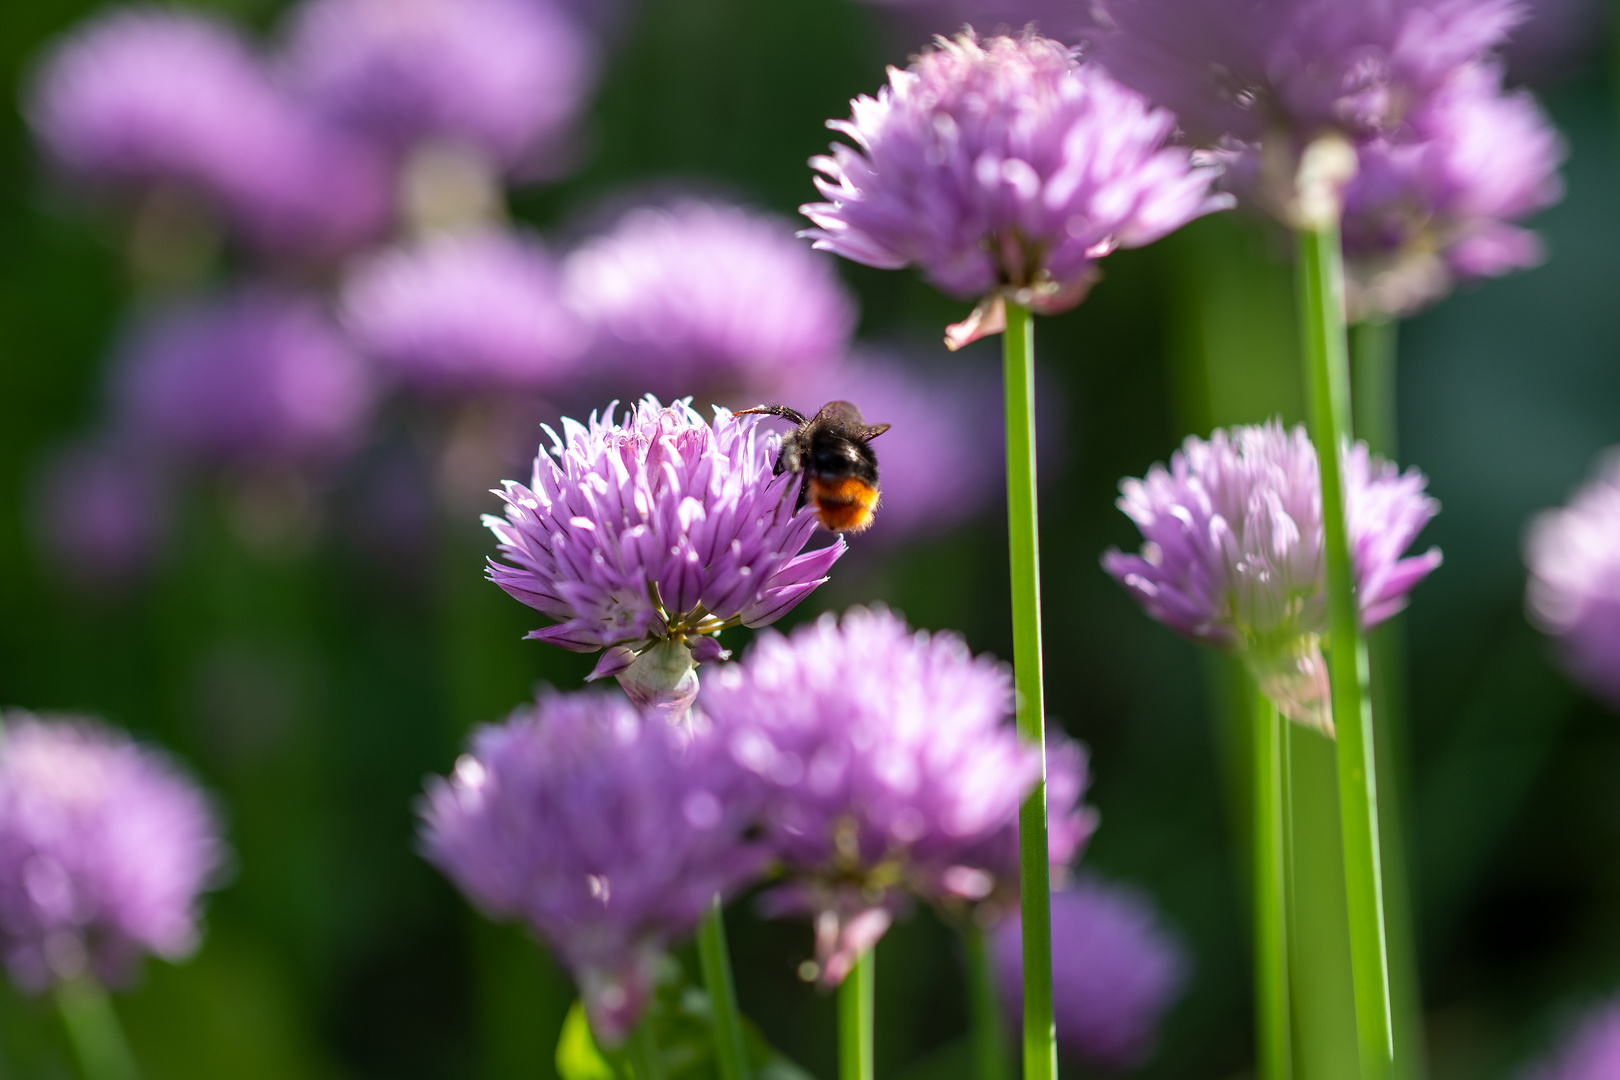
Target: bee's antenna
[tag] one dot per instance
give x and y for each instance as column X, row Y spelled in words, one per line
column 775, row 410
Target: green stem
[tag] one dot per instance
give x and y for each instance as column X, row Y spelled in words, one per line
column 1327, row 376
column 642, row 1050
column 989, row 1034
column 1270, row 897
column 716, row 961
column 92, row 1025
column 1023, row 544
column 1372, row 374
column 855, row 1020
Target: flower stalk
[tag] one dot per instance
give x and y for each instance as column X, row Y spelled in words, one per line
column 1023, row 543
column 642, row 1050
column 1327, row 377
column 988, row 1033
column 716, row 962
column 1273, row 1025
column 93, row 1028
column 855, row 1020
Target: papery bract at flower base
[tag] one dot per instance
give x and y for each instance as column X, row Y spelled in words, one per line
column 1574, row 593
column 105, row 848
column 1115, row 972
column 466, row 313
column 703, row 295
column 658, row 528
column 1003, row 167
column 1232, row 552
column 884, row 757
column 607, row 833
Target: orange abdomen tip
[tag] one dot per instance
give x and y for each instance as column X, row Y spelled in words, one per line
column 846, row 505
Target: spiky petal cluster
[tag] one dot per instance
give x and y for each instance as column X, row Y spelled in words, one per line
column 157, row 97
column 606, row 832
column 1004, row 165
column 1115, row 972
column 886, row 756
column 258, row 375
column 464, row 312
column 105, row 848
column 1574, row 594
column 502, row 77
column 1232, row 551
column 702, row 294
column 1437, row 204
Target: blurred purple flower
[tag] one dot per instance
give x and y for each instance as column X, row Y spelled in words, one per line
column 606, row 832
column 257, row 376
column 1591, row 1051
column 704, row 296
column 1232, row 551
column 650, row 535
column 102, row 513
column 105, row 847
column 1574, row 594
column 886, row 757
column 1437, row 205
column 506, row 78
column 1115, row 972
column 1003, row 167
column 465, row 312
column 156, row 97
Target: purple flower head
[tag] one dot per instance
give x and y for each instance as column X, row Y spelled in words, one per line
column 1115, row 972
column 703, row 295
column 102, row 513
column 886, row 756
column 258, row 376
column 648, row 536
column 1232, row 551
column 105, row 848
column 465, row 312
column 503, row 77
column 1438, row 205
column 606, row 832
column 1574, row 595
column 1591, row 1052
column 1003, row 166
column 153, row 97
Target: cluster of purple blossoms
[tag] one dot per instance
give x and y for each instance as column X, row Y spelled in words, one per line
column 1232, row 551
column 648, row 536
column 156, row 99
column 105, row 848
column 887, row 762
column 1004, row 168
column 1115, row 973
column 465, row 312
column 261, row 375
column 702, row 295
column 101, row 512
column 1574, row 594
column 1591, row 1052
column 607, row 832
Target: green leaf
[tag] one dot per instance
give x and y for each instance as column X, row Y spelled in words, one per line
column 577, row 1055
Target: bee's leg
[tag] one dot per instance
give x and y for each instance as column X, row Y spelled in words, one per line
column 804, row 493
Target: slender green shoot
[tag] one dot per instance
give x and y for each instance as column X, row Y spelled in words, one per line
column 855, row 1020
column 988, row 1032
column 93, row 1028
column 1372, row 377
column 642, row 1050
column 716, row 961
column 1023, row 543
column 1327, row 377
column 1273, row 1024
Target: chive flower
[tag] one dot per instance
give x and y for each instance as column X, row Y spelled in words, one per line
column 1003, row 167
column 705, row 295
column 257, row 376
column 1590, row 1052
column 465, row 312
column 101, row 512
column 105, row 850
column 885, row 758
column 1116, row 971
column 648, row 535
column 608, row 833
column 1232, row 552
column 1574, row 593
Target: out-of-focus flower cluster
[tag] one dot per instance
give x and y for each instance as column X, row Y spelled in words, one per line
column 1591, row 1051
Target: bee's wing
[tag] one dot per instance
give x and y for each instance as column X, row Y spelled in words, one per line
column 842, row 413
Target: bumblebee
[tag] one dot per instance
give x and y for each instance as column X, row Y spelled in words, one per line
column 830, row 451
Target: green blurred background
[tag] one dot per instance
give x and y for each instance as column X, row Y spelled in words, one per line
column 314, row 686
